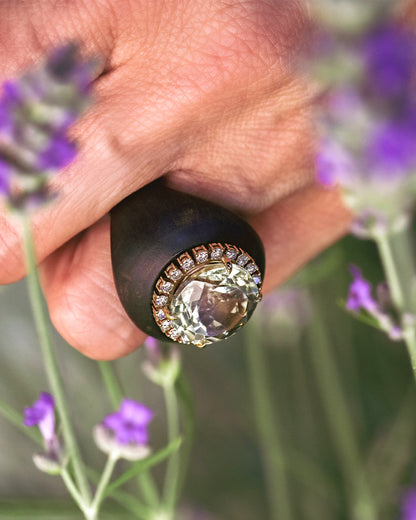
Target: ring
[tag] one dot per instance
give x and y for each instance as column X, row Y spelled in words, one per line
column 186, row 270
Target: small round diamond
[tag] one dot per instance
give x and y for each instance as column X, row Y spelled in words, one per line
column 231, row 254
column 242, row 259
column 160, row 315
column 251, row 268
column 161, row 300
column 165, row 325
column 175, row 274
column 174, row 334
column 166, row 287
column 187, row 264
column 216, row 253
column 256, row 278
column 201, row 256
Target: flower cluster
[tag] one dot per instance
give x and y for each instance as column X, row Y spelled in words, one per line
column 125, row 432
column 360, row 299
column 42, row 415
column 368, row 122
column 36, row 111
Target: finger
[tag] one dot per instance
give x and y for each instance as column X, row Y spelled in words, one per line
column 84, row 307
column 298, row 228
column 81, row 295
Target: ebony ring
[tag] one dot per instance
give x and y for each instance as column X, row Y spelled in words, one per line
column 185, row 269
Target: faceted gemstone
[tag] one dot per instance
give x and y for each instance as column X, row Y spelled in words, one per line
column 165, row 325
column 175, row 274
column 166, row 287
column 160, row 315
column 251, row 268
column 231, row 254
column 211, row 303
column 201, row 256
column 256, row 278
column 187, row 264
column 216, row 253
column 161, row 300
column 242, row 259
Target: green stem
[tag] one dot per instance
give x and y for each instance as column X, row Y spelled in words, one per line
column 272, row 453
column 396, row 257
column 102, row 486
column 185, row 396
column 340, row 422
column 51, row 366
column 124, row 498
column 115, row 393
column 69, row 483
column 172, row 470
column 148, row 489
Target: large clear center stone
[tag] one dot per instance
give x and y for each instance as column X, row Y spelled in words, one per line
column 213, row 302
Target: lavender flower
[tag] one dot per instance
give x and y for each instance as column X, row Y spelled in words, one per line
column 125, row 432
column 359, row 296
column 36, row 111
column 368, row 123
column 389, row 54
column 380, row 309
column 130, row 423
column 42, row 414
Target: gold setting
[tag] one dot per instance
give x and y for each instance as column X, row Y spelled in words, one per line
column 183, row 266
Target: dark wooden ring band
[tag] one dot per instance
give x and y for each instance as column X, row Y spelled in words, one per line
column 154, row 225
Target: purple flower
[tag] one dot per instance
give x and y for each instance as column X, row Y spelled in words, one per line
column 333, row 164
column 408, row 509
column 36, row 110
column 359, row 296
column 130, row 423
column 390, row 54
column 58, row 153
column 391, row 150
column 42, row 414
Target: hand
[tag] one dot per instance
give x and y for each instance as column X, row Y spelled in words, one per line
column 200, row 90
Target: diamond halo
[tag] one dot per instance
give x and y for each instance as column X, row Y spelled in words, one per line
column 206, row 294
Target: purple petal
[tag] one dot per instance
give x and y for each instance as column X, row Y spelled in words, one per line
column 129, row 423
column 135, row 412
column 58, row 153
column 113, row 421
column 409, row 505
column 333, row 164
column 42, row 414
column 391, row 150
column 359, row 295
column 390, row 53
column 12, row 92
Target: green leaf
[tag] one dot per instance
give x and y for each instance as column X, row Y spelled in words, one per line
column 145, row 464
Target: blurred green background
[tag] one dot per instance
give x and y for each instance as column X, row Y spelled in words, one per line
column 301, row 348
